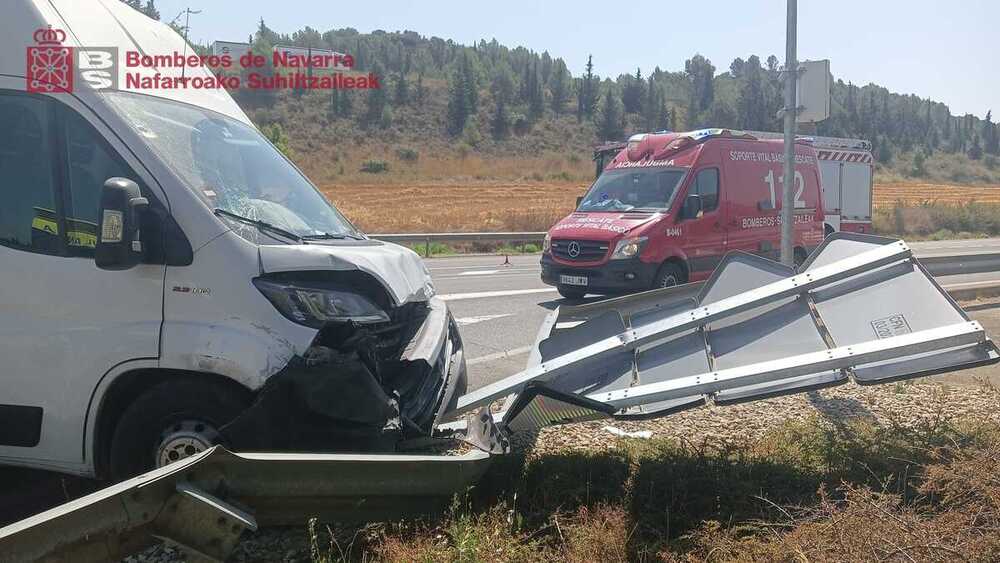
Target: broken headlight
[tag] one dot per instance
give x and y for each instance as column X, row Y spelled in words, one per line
column 315, row 304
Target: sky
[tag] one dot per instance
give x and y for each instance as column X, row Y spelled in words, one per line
column 947, row 51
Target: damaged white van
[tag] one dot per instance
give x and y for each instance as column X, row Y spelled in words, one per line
column 168, row 280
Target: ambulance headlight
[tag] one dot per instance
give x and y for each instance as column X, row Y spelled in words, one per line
column 547, row 243
column 628, row 248
column 314, row 304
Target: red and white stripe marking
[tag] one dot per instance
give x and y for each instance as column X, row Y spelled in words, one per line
column 845, row 156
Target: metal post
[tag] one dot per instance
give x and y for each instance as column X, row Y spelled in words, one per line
column 788, row 183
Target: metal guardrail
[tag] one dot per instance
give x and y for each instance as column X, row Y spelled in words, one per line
column 205, row 502
column 427, row 238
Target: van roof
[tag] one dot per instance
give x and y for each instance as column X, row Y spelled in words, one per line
column 105, row 23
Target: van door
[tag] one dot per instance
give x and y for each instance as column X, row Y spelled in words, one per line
column 705, row 235
column 63, row 322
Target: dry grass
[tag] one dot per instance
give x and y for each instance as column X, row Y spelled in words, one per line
column 819, row 490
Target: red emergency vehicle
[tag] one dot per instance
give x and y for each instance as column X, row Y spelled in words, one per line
column 669, row 206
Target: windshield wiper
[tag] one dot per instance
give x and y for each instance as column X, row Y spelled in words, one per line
column 332, row 236
column 262, row 225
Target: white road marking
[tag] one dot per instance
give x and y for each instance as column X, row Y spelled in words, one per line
column 485, row 294
column 968, row 284
column 477, row 272
column 481, row 318
column 499, row 355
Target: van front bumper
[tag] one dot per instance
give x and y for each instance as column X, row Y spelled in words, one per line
column 614, row 276
column 344, row 394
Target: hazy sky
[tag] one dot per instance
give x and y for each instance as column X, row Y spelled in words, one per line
column 948, row 51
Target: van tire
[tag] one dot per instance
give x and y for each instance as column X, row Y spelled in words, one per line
column 670, row 274
column 163, row 407
column 571, row 292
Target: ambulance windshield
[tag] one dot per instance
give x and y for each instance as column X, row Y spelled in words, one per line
column 650, row 189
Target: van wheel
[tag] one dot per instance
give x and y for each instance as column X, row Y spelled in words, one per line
column 571, row 292
column 169, row 422
column 670, row 274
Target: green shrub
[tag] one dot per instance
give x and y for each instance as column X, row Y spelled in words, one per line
column 407, row 155
column 374, row 166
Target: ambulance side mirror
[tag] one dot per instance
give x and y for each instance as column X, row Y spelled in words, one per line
column 692, row 207
column 118, row 243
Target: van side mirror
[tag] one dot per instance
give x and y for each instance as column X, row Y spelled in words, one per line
column 692, row 207
column 118, row 244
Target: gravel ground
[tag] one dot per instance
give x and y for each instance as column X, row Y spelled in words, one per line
column 909, row 404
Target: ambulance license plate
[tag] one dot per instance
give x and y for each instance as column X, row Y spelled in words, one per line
column 572, row 280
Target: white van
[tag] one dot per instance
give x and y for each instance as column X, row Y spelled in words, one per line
column 168, row 280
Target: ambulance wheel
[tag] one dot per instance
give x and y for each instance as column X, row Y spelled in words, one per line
column 169, row 422
column 670, row 274
column 571, row 292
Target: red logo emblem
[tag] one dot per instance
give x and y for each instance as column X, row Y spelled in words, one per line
column 50, row 64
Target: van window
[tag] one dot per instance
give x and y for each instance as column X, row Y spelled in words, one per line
column 90, row 163
column 28, row 214
column 633, row 190
column 707, row 186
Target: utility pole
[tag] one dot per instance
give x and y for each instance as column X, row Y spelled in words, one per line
column 187, row 26
column 790, row 110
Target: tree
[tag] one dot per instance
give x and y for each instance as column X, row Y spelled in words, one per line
column 402, row 94
column 376, row 103
column 976, row 149
column 561, row 87
column 736, row 67
column 500, row 124
column 502, row 85
column 463, row 95
column 278, row 138
column 536, row 96
column 991, row 142
column 700, row 73
column 751, row 106
column 609, row 125
column 588, row 94
column 632, row 93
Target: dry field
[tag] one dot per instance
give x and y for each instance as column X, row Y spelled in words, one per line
column 451, row 207
column 489, row 205
column 889, row 195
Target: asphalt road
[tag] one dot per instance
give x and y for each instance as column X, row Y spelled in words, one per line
column 500, row 303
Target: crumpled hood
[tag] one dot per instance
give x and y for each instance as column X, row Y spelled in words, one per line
column 400, row 270
column 600, row 226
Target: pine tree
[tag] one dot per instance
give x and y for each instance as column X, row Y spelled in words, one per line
column 588, row 94
column 561, row 87
column 610, row 126
column 976, row 149
column 536, row 96
column 376, row 103
column 991, row 142
column 632, row 93
column 419, row 91
column 463, row 96
column 402, row 94
column 500, row 124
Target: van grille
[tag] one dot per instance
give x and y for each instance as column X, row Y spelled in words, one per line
column 589, row 250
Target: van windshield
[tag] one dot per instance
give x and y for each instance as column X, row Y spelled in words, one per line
column 649, row 189
column 232, row 167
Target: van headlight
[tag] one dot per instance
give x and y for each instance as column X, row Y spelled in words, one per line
column 546, row 243
column 315, row 304
column 628, row 248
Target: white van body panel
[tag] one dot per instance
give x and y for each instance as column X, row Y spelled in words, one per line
column 216, row 321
